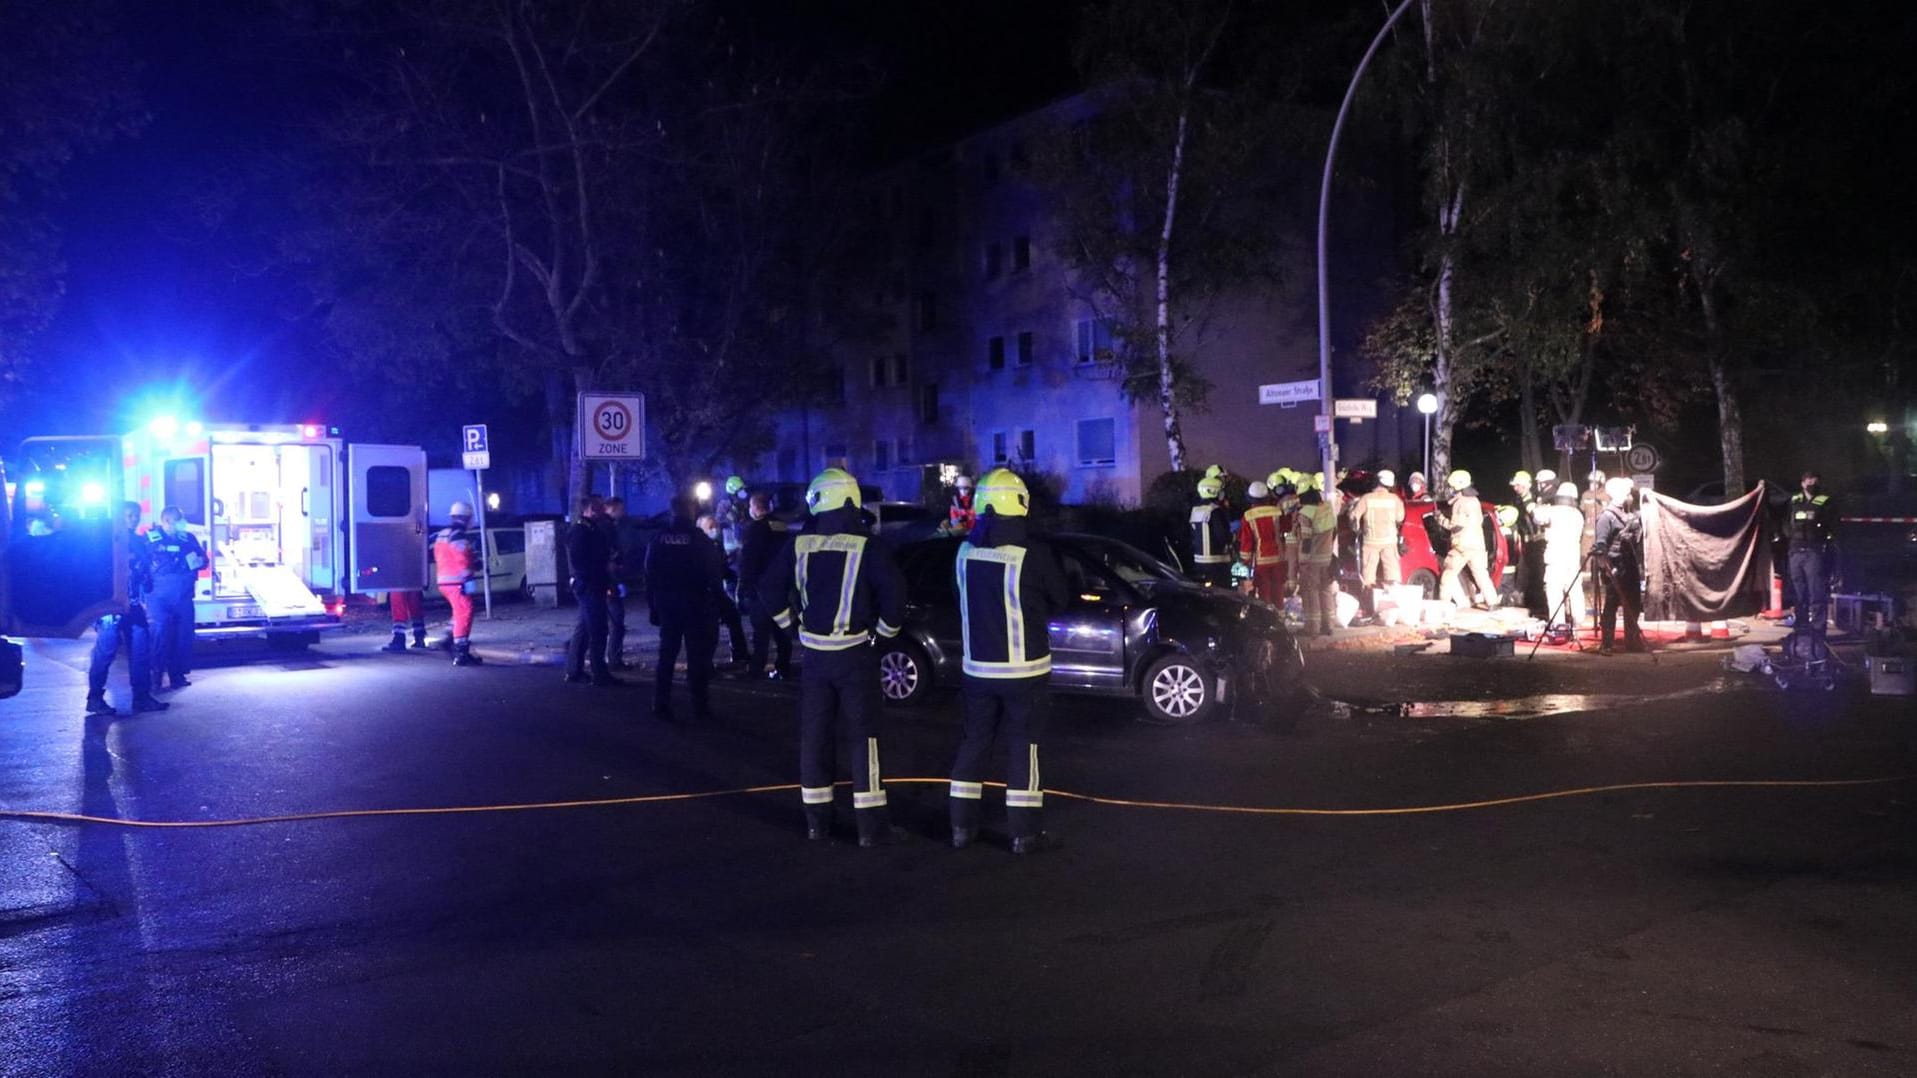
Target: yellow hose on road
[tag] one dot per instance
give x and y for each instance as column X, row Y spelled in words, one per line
column 1174, row 806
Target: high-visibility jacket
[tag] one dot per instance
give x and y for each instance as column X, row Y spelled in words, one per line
column 1317, row 533
column 456, row 556
column 1210, row 534
column 1261, row 536
column 1464, row 519
column 1379, row 519
column 1009, row 589
column 836, row 584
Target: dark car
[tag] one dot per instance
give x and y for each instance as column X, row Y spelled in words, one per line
column 1134, row 628
column 12, row 668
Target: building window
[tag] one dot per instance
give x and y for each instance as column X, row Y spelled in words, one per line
column 994, row 259
column 928, row 312
column 929, row 402
column 899, row 369
column 905, row 452
column 1027, row 446
column 1021, row 253
column 995, row 353
column 998, row 447
column 878, row 372
column 1094, row 340
column 1097, row 442
column 881, row 455
column 1025, row 349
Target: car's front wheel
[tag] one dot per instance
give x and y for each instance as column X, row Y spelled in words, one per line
column 1426, row 580
column 1177, row 691
column 905, row 672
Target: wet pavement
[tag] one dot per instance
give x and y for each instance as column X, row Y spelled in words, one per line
column 1731, row 931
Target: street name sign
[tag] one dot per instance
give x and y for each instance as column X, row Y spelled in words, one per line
column 612, row 426
column 1355, row 408
column 475, row 454
column 1287, row 394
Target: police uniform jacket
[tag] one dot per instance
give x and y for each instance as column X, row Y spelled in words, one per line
column 1009, row 588
column 763, row 538
column 139, row 566
column 684, row 572
column 1812, row 521
column 176, row 554
column 836, row 584
column 590, row 554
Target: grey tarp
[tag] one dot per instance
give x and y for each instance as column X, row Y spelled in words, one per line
column 1705, row 562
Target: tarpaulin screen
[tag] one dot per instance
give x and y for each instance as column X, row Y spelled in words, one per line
column 1705, row 562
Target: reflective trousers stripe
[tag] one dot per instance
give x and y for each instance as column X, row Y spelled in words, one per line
column 1029, row 799
column 887, row 630
column 816, row 795
column 970, row 791
column 825, row 642
column 873, row 796
column 1030, row 668
column 869, row 801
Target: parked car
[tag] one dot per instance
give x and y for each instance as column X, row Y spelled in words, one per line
column 1135, row 628
column 12, row 668
column 506, row 560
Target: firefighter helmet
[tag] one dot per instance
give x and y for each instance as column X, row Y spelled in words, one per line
column 1209, row 488
column 832, row 489
column 1003, row 493
column 734, row 484
column 1522, row 476
column 460, row 511
column 1547, row 479
column 1258, row 490
column 1216, row 471
column 1458, row 480
column 1387, row 477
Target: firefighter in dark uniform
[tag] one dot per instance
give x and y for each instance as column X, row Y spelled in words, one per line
column 1615, row 552
column 1009, row 589
column 685, row 580
column 1811, row 527
column 128, row 629
column 178, row 558
column 839, row 588
column 1211, row 550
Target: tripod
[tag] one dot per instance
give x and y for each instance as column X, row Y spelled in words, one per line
column 1586, row 568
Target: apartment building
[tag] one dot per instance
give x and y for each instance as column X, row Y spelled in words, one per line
column 983, row 347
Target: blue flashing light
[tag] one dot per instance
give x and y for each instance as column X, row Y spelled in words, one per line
column 164, row 426
column 36, row 489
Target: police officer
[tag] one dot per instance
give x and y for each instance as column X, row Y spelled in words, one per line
column 628, row 571
column 589, row 553
column 764, row 537
column 1211, row 554
column 128, row 629
column 685, row 582
column 178, row 558
column 847, row 588
column 457, row 561
column 1463, row 518
column 1616, row 555
column 1811, row 528
column 1009, row 589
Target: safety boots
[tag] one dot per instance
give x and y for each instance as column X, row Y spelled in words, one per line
column 463, row 654
column 398, row 643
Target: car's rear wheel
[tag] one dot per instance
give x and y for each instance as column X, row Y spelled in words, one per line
column 1177, row 691
column 1426, row 579
column 905, row 673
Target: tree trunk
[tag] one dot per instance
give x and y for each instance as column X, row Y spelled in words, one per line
column 1445, row 420
column 1530, row 452
column 1167, row 383
column 559, row 419
column 579, row 475
column 1730, row 417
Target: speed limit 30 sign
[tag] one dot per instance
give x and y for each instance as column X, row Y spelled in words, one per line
column 612, row 426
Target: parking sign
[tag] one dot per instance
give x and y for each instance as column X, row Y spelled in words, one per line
column 474, row 453
column 612, row 426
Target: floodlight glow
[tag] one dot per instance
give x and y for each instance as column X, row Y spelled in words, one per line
column 164, row 426
column 703, row 491
column 310, row 430
column 1427, row 403
column 492, row 500
column 1877, row 426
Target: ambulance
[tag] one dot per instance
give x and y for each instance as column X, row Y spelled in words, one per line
column 293, row 520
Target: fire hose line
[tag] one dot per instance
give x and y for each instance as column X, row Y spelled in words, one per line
column 1173, row 806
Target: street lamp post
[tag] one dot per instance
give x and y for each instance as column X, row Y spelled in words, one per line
column 1325, row 407
column 1427, row 403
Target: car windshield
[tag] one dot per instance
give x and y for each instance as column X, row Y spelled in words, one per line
column 1127, row 563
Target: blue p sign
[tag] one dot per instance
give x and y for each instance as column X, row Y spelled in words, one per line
column 475, row 438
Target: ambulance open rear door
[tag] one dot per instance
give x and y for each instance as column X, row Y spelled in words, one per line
column 386, row 550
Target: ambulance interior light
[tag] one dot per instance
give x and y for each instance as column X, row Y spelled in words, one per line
column 92, row 494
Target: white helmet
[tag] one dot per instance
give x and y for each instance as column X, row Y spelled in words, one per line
column 1458, row 480
column 459, row 510
column 963, row 482
column 1546, row 478
column 1387, row 477
column 1619, row 489
column 1258, row 489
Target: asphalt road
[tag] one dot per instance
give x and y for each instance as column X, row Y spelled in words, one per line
column 1695, row 932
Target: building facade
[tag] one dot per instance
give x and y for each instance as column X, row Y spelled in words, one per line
column 979, row 346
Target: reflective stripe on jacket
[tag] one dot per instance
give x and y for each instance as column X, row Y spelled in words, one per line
column 455, row 556
column 1007, row 596
column 1261, row 537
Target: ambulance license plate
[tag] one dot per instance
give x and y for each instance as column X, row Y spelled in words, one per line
column 244, row 610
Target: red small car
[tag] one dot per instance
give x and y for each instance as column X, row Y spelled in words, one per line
column 1424, row 543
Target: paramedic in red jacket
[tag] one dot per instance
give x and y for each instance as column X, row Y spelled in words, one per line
column 1261, row 545
column 457, row 560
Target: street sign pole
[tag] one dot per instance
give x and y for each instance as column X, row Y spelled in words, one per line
column 485, row 578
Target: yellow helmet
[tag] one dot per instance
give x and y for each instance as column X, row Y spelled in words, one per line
column 1216, row 471
column 1508, row 515
column 1210, row 488
column 831, row 489
column 1003, row 493
column 1301, row 482
column 1458, row 480
column 1522, row 476
column 734, row 484
column 1279, row 478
